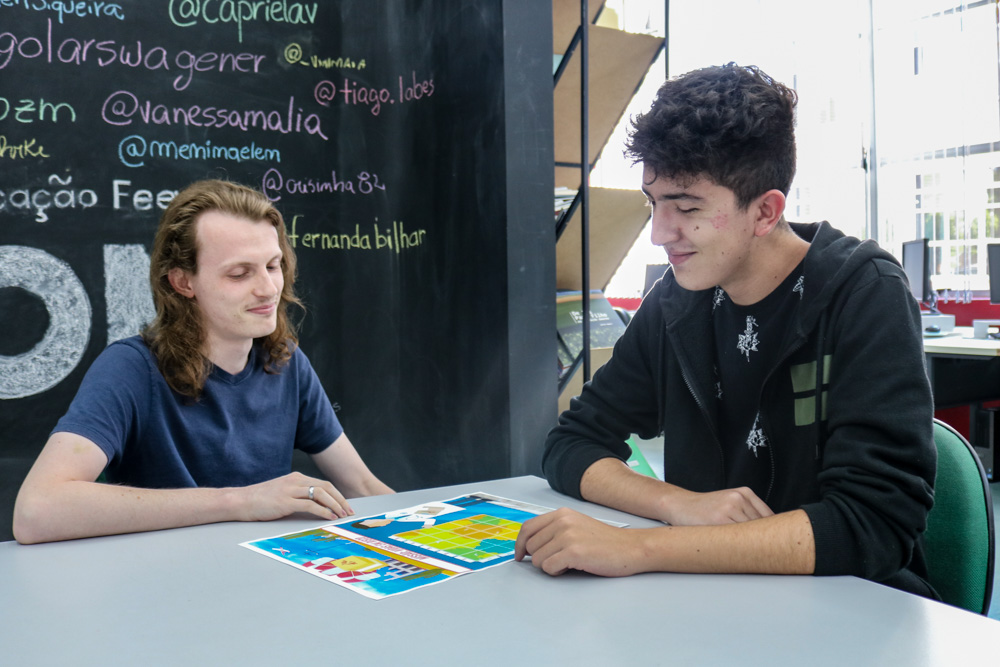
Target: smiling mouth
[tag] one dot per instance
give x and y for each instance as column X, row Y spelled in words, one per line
column 264, row 309
column 678, row 257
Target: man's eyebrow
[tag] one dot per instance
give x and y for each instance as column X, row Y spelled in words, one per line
column 674, row 196
column 249, row 262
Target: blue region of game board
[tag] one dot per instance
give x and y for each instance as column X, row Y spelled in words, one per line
column 493, row 546
column 307, row 548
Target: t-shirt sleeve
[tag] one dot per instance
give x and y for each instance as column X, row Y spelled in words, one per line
column 318, row 425
column 111, row 401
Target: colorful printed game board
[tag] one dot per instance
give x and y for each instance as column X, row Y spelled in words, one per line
column 474, row 540
column 399, row 551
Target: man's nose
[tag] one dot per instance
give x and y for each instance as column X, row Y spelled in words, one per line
column 267, row 285
column 664, row 229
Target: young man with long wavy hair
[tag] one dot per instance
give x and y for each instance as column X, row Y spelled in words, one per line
column 195, row 420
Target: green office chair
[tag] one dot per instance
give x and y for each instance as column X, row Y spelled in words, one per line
column 959, row 537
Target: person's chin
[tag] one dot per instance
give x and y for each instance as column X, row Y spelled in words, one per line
column 265, row 329
column 692, row 283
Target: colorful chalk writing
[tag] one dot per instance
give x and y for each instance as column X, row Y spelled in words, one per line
column 351, row 93
column 413, row 89
column 293, row 55
column 188, row 13
column 149, row 88
column 365, row 183
column 134, row 149
column 122, row 108
column 379, row 236
column 73, row 8
column 135, row 55
column 21, row 150
column 30, row 111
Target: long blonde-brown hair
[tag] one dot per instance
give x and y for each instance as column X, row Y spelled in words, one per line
column 176, row 335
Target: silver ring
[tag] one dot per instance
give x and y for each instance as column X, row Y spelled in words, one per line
column 312, row 490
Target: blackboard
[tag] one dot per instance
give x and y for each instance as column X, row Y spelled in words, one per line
column 407, row 144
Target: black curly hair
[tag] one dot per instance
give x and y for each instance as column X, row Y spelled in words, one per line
column 732, row 124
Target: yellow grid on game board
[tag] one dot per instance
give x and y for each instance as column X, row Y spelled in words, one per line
column 462, row 538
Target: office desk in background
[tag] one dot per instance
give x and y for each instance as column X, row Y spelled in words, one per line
column 194, row 596
column 966, row 371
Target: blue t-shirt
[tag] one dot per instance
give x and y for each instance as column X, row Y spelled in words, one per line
column 241, row 431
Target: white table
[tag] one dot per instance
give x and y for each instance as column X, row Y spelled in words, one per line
column 193, row 596
column 961, row 343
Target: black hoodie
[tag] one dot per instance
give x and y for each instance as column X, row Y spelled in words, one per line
column 863, row 473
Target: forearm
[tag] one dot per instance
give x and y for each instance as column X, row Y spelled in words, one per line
column 368, row 485
column 610, row 482
column 779, row 544
column 342, row 465
column 74, row 509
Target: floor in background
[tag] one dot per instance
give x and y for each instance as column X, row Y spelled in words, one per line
column 653, row 451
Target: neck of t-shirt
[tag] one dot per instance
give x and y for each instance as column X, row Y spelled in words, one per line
column 230, row 356
column 772, row 259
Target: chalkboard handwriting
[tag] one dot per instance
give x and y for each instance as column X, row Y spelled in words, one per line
column 364, row 183
column 133, row 148
column 62, row 195
column 122, row 108
column 416, row 90
column 321, row 241
column 378, row 237
column 142, row 199
column 79, row 8
column 325, row 92
column 27, row 111
column 241, row 62
column 186, row 13
column 73, row 51
column 293, row 55
column 39, row 201
column 400, row 239
column 351, row 93
column 20, row 151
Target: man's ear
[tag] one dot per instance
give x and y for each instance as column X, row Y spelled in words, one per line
column 181, row 282
column 769, row 207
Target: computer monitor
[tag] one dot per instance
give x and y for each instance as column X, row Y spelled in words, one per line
column 917, row 265
column 993, row 269
column 653, row 273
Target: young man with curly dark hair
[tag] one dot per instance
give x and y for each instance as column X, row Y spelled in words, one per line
column 782, row 363
column 195, row 420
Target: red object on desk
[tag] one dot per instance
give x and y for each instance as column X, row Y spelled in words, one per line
column 977, row 309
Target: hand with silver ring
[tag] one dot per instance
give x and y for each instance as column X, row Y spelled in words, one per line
column 284, row 495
